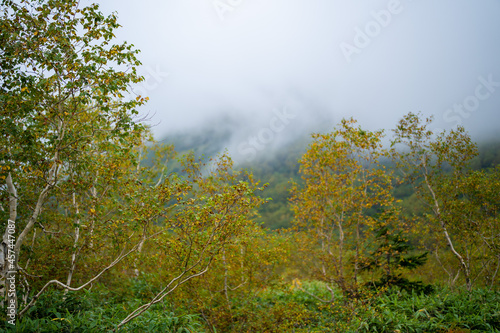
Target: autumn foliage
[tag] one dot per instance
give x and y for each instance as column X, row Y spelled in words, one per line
column 117, row 232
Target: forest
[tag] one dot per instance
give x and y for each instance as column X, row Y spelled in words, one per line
column 106, row 229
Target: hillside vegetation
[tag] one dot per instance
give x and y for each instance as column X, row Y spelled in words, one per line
column 107, row 230
column 279, row 167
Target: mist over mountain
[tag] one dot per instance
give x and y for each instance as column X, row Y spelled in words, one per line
column 251, row 139
column 248, row 139
column 375, row 61
column 275, row 161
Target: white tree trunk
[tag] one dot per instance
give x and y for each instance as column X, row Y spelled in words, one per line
column 75, row 244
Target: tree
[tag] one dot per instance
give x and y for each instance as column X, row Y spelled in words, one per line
column 391, row 254
column 470, row 207
column 73, row 160
column 226, row 294
column 438, row 166
column 60, row 90
column 213, row 211
column 342, row 183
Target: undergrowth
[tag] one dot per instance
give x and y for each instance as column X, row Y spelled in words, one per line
column 278, row 309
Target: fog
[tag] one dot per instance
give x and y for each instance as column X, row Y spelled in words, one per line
column 274, row 69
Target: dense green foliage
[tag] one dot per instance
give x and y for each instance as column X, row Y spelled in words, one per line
column 98, row 312
column 106, row 230
column 278, row 309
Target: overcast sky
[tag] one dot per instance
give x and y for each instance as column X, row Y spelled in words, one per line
column 279, row 66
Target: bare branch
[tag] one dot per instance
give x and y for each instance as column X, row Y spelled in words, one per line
column 120, row 257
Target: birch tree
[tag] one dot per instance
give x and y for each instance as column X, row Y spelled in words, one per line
column 438, row 166
column 59, row 85
column 72, row 149
column 341, row 183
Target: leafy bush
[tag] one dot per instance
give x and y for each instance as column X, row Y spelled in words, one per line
column 442, row 312
column 98, row 312
column 283, row 308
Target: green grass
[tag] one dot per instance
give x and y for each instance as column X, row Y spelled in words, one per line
column 277, row 309
column 96, row 312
